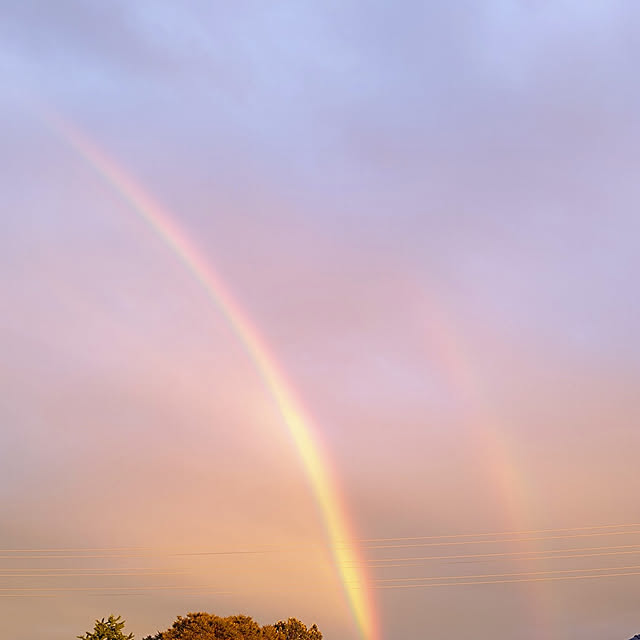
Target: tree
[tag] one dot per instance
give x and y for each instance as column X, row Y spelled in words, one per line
column 206, row 626
column 111, row 629
column 293, row 629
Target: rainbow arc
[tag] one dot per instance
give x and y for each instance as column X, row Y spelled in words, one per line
column 298, row 422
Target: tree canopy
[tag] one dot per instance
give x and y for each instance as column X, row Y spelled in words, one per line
column 110, row 629
column 206, row 626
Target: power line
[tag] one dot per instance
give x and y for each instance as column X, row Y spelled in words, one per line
column 78, row 549
column 485, row 582
column 443, row 540
column 78, row 557
column 78, row 553
column 49, row 592
column 121, row 588
column 63, row 569
column 499, row 540
column 586, row 555
column 369, row 562
column 502, row 575
column 502, row 533
column 76, row 575
column 382, row 562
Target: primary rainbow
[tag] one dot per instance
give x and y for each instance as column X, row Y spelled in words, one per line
column 299, row 424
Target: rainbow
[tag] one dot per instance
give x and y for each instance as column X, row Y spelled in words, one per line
column 300, row 426
column 445, row 345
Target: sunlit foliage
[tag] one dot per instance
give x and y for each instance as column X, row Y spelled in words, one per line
column 206, row 626
column 110, row 629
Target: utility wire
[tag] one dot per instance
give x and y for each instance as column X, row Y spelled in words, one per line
column 211, row 590
column 503, row 575
column 485, row 582
column 442, row 540
column 499, row 540
column 382, row 562
column 503, row 533
column 76, row 575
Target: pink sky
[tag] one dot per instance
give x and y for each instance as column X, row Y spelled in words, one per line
column 430, row 216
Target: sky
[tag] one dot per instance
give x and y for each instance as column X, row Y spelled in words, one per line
column 428, row 215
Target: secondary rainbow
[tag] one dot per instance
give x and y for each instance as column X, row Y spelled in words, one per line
column 486, row 428
column 299, row 424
